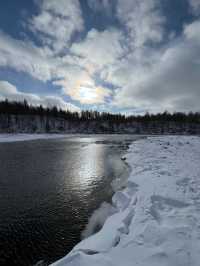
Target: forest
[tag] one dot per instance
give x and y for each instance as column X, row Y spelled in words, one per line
column 22, row 117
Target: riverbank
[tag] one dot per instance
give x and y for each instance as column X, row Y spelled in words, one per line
column 27, row 137
column 157, row 216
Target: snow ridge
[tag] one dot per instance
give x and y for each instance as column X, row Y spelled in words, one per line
column 157, row 222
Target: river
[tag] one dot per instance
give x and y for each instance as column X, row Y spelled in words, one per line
column 48, row 190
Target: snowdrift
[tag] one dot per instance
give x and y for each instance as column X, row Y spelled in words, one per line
column 157, row 218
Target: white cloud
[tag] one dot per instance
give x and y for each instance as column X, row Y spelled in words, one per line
column 71, row 73
column 95, row 52
column 57, row 22
column 24, row 56
column 142, row 19
column 51, row 101
column 170, row 80
column 192, row 31
column 6, row 88
column 144, row 77
column 80, row 86
column 100, row 48
column 195, row 6
column 10, row 92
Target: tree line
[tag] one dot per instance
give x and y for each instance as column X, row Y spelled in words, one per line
column 23, row 108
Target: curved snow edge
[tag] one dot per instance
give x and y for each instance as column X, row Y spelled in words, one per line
column 158, row 214
column 115, row 225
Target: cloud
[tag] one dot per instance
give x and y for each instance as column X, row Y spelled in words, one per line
column 80, row 86
column 7, row 89
column 70, row 72
column 131, row 65
column 95, row 56
column 142, row 19
column 24, row 56
column 57, row 22
column 195, row 6
column 40, row 63
column 169, row 81
column 97, row 51
column 10, row 92
column 192, row 31
column 100, row 48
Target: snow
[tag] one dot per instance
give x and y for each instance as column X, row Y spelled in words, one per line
column 157, row 218
column 26, row 137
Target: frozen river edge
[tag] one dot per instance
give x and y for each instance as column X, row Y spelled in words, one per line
column 27, row 137
column 157, row 219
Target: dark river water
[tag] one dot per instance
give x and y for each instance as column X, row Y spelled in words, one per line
column 49, row 189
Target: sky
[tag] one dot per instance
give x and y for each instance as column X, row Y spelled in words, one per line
column 128, row 56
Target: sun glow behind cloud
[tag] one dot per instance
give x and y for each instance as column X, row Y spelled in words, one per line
column 65, row 47
column 89, row 94
column 81, row 86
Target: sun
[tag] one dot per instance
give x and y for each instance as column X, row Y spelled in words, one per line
column 88, row 93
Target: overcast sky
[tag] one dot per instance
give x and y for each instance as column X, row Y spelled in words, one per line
column 130, row 56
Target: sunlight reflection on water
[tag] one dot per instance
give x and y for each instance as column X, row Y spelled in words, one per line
column 90, row 165
column 48, row 190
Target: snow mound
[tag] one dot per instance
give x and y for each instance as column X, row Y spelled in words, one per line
column 157, row 222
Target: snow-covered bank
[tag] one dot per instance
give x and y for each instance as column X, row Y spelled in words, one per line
column 157, row 222
column 26, row 137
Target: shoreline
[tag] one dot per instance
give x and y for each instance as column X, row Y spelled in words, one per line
column 115, row 190
column 107, row 208
column 154, row 211
column 17, row 137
